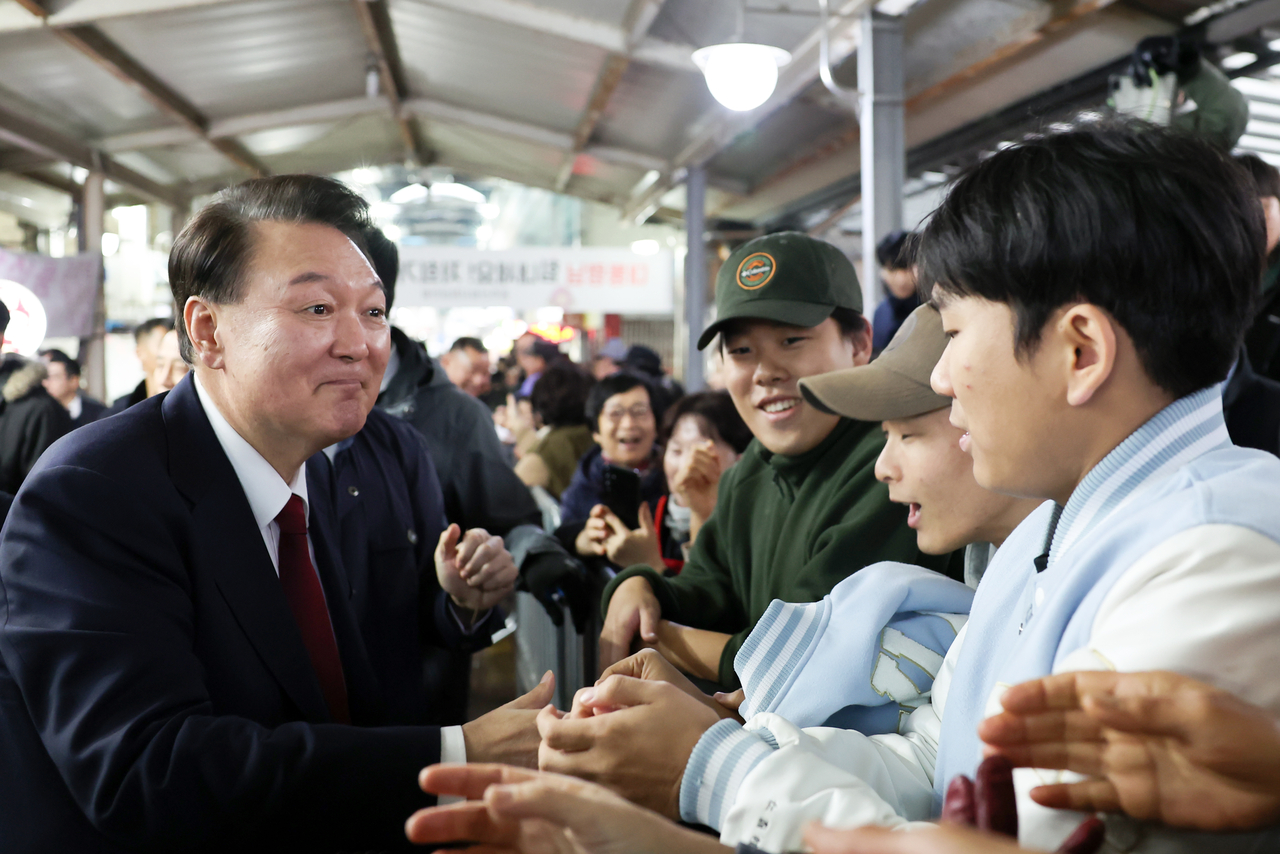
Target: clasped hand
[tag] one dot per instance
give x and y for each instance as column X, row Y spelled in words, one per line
column 475, row 568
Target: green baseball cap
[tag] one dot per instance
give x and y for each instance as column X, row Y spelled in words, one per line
column 788, row 277
column 894, row 386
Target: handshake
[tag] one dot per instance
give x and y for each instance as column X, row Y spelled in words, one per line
column 1158, row 746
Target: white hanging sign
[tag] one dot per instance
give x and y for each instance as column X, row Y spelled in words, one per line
column 615, row 281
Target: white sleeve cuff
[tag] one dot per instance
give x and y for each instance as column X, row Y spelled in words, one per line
column 720, row 761
column 453, row 748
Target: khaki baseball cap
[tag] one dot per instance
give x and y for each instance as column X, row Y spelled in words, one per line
column 788, row 277
column 896, row 384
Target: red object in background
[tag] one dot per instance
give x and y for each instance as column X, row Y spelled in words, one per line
column 612, row 326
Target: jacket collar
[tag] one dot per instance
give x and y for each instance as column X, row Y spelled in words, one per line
column 416, row 369
column 1184, row 430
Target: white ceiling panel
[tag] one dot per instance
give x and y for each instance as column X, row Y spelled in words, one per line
column 495, row 67
column 236, row 58
column 41, row 68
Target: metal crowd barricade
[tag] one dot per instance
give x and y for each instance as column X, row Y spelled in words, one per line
column 541, row 645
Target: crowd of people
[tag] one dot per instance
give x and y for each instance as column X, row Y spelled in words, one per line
column 998, row 567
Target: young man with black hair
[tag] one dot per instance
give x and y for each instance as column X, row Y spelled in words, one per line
column 1095, row 286
column 895, row 255
column 467, row 365
column 802, row 509
column 146, row 337
column 63, row 385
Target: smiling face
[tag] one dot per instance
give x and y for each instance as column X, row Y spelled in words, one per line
column 295, row 365
column 925, row 469
column 1012, row 409
column 763, row 365
column 626, row 429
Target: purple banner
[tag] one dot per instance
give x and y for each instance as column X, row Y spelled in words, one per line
column 66, row 287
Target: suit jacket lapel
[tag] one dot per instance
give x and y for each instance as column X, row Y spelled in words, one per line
column 363, row 693
column 227, row 540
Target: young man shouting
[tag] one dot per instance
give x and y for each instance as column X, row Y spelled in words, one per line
column 802, row 509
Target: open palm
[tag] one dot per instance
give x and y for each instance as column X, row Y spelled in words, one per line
column 1158, row 746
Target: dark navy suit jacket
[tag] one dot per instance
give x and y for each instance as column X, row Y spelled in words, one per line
column 155, row 692
column 390, row 516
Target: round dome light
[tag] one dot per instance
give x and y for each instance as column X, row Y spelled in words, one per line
column 741, row 76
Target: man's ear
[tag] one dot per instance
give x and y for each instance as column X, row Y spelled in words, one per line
column 1090, row 334
column 201, row 320
column 860, row 342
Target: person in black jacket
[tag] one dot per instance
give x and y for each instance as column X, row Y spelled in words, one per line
column 30, row 420
column 147, row 337
column 63, row 385
column 390, row 517
column 480, row 488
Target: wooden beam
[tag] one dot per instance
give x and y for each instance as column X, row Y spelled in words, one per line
column 35, row 7
column 375, row 22
column 639, row 17
column 996, row 60
column 49, row 178
column 607, row 81
column 1010, row 52
column 20, row 131
column 586, row 31
column 95, row 44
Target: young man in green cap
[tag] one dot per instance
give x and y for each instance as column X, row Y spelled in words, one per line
column 802, row 509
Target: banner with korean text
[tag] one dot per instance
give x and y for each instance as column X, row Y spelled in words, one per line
column 615, row 281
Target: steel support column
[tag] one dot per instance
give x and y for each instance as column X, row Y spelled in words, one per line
column 880, row 82
column 93, row 212
column 695, row 275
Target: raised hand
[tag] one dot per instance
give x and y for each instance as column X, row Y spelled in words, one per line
column 591, row 539
column 626, row 547
column 698, row 479
column 632, row 609
column 1158, row 746
column 475, row 569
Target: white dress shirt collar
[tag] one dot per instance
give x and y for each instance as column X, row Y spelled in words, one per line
column 75, row 407
column 263, row 486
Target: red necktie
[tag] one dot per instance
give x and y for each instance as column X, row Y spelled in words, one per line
column 306, row 601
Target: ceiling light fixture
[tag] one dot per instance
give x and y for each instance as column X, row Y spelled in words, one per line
column 740, row 75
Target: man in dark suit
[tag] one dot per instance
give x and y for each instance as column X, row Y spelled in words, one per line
column 63, row 385
column 180, row 667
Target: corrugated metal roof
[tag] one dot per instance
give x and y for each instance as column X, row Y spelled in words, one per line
column 249, row 57
column 501, row 87
column 41, row 68
column 496, row 67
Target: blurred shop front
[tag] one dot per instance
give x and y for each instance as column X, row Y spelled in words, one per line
column 576, row 297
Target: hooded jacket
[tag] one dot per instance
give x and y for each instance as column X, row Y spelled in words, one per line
column 30, row 420
column 480, row 489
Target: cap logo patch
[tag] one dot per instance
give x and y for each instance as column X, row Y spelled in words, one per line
column 756, row 270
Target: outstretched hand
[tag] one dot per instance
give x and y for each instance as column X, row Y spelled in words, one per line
column 513, row 811
column 475, row 569
column 1158, row 746
column 617, row 749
